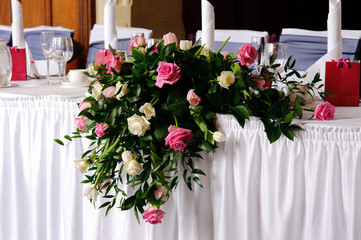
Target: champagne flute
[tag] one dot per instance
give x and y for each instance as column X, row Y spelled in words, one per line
column 59, row 46
column 279, row 53
column 68, row 55
column 258, row 43
column 46, row 41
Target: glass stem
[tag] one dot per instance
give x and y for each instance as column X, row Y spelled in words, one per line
column 47, row 68
column 64, row 71
column 60, row 71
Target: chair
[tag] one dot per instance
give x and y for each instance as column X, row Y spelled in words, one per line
column 308, row 46
column 33, row 39
column 96, row 41
column 237, row 40
column 5, row 33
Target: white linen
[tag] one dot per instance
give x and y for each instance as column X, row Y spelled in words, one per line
column 241, row 36
column 110, row 29
column 334, row 41
column 305, row 189
column 352, row 34
column 97, row 33
column 208, row 24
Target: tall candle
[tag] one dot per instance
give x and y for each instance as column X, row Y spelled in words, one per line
column 110, row 27
column 208, row 24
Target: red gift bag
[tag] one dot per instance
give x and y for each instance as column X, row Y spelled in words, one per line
column 18, row 56
column 342, row 80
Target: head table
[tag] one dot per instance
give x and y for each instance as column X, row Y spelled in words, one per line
column 309, row 188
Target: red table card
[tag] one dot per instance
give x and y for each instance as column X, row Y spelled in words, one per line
column 18, row 57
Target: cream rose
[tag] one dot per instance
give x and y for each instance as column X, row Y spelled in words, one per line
column 82, row 164
column 226, row 79
column 148, row 110
column 123, row 91
column 205, row 52
column 127, row 156
column 97, row 91
column 219, row 136
column 91, row 69
column 133, row 167
column 91, row 193
column 185, row 45
column 138, row 125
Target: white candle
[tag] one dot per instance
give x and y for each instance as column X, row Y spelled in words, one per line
column 110, row 28
column 17, row 24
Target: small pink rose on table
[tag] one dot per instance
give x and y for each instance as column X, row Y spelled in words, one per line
column 193, row 98
column 177, row 136
column 170, row 38
column 168, row 73
column 247, row 54
column 153, row 215
column 324, row 111
column 100, row 128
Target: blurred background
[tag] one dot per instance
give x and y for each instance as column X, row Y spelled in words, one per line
column 183, row 17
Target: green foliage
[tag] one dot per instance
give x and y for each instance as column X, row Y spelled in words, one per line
column 200, row 71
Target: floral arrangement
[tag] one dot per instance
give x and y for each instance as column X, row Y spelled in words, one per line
column 147, row 115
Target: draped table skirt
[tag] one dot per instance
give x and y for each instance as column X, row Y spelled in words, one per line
column 308, row 188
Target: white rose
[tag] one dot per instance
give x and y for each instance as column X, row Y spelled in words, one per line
column 127, row 155
column 138, row 125
column 133, row 167
column 148, row 110
column 91, row 193
column 124, row 91
column 219, row 136
column 226, row 79
column 91, row 69
column 205, row 52
column 185, row 45
column 97, row 91
column 82, row 164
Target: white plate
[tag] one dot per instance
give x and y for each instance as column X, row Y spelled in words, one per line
column 75, row 85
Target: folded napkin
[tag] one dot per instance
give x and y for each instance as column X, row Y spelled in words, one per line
column 18, row 37
column 334, row 41
column 110, row 28
column 208, row 24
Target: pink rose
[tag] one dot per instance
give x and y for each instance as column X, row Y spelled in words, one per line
column 247, row 54
column 259, row 80
column 170, row 38
column 177, row 136
column 324, row 111
column 153, row 215
column 82, row 120
column 193, row 98
column 100, row 128
column 168, row 73
column 83, row 105
column 109, row 92
column 135, row 42
column 160, row 192
column 127, row 156
column 116, row 63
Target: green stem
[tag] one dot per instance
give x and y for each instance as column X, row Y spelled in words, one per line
column 111, row 147
column 175, row 120
column 219, row 50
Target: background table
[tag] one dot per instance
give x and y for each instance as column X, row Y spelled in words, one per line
column 308, row 188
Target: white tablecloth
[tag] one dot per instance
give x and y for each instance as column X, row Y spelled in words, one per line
column 305, row 189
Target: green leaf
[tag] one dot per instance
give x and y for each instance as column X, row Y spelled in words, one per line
column 169, row 49
column 68, row 137
column 58, row 141
column 288, row 118
column 198, row 171
column 287, row 131
column 272, row 129
column 138, row 55
column 206, row 146
column 198, row 181
column 201, row 123
column 241, row 111
column 104, row 204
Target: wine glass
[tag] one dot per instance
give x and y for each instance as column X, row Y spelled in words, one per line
column 258, row 43
column 46, row 41
column 59, row 53
column 69, row 53
column 279, row 53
